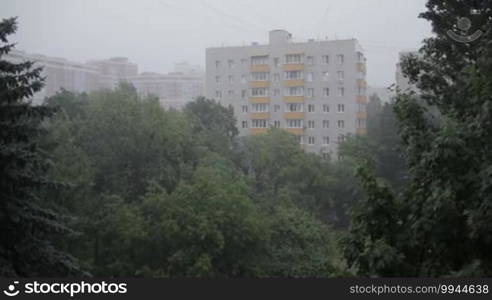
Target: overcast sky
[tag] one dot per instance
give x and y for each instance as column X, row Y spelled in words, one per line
column 157, row 33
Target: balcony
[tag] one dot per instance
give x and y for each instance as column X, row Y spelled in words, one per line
column 259, row 100
column 254, row 131
column 293, row 99
column 362, row 115
column 361, row 83
column 259, row 115
column 361, row 131
column 259, row 68
column 293, row 67
column 259, row 84
column 360, row 67
column 294, row 115
column 294, row 82
column 361, row 99
column 296, row 131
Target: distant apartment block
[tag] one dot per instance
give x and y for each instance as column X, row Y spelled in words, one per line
column 315, row 90
column 173, row 90
column 402, row 82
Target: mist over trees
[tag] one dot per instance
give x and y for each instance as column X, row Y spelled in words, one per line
column 111, row 184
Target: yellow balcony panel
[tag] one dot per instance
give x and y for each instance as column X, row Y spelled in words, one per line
column 258, row 130
column 259, row 99
column 296, row 131
column 259, row 115
column 259, row 84
column 361, row 83
column 293, row 67
column 361, row 99
column 294, row 82
column 259, row 68
column 360, row 67
column 361, row 131
column 294, row 115
column 293, row 99
column 362, row 115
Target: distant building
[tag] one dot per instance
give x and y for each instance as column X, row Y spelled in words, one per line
column 402, row 82
column 315, row 90
column 173, row 90
column 384, row 93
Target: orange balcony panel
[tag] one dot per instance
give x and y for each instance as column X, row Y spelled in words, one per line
column 361, row 131
column 361, row 83
column 360, row 67
column 296, row 131
column 259, row 68
column 293, row 99
column 361, row 99
column 259, row 100
column 362, row 115
column 294, row 82
column 293, row 67
column 259, row 115
column 294, row 115
column 254, row 131
column 259, row 84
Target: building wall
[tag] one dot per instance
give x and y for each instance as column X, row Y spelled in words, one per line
column 237, row 62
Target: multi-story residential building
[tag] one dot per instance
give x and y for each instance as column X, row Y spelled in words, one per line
column 114, row 70
column 315, row 90
column 402, row 82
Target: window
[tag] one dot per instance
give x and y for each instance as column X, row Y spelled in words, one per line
column 311, row 124
column 259, row 60
column 276, row 92
column 293, row 59
column 218, row 94
column 244, row 109
column 341, row 124
column 310, row 60
column 231, row 79
column 325, row 76
column 217, row 63
column 217, row 79
column 311, row 140
column 341, row 138
column 341, row 91
column 244, row 78
column 326, row 123
column 259, row 107
column 311, row 108
column 294, row 91
column 310, row 92
column 340, row 59
column 230, row 93
column 276, row 124
column 326, row 108
column 276, row 62
column 294, row 123
column 276, row 108
column 360, row 57
column 243, row 94
column 326, row 155
column 309, row 76
column 230, row 63
column 326, row 140
column 361, row 107
column 326, row 92
column 361, row 123
column 341, row 108
column 259, row 76
column 361, row 91
column 289, row 75
column 299, row 139
column 245, row 124
column 325, row 59
column 276, row 77
column 259, row 92
column 259, row 123
column 293, row 107
column 340, row 75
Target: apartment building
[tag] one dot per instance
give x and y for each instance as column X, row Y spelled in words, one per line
column 402, row 82
column 315, row 90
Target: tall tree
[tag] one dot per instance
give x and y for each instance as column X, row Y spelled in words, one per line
column 26, row 227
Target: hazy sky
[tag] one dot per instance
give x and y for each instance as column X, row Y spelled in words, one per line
column 157, row 33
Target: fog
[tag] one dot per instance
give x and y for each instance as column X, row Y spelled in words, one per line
column 157, row 33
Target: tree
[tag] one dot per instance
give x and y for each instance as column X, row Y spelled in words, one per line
column 27, row 226
column 443, row 216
